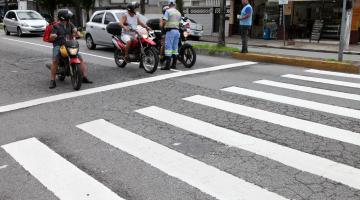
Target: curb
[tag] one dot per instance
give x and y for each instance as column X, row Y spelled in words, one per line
column 290, row 48
column 308, row 50
column 289, row 60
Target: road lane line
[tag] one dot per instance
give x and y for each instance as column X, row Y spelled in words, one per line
column 331, row 93
column 208, row 179
column 3, row 167
column 283, row 120
column 337, row 110
column 322, row 80
column 88, row 54
column 58, row 175
column 315, row 71
column 302, row 161
column 69, row 95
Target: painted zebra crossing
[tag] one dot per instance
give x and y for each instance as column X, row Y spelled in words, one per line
column 208, row 179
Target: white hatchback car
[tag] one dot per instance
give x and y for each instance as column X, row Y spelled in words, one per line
column 96, row 33
column 24, row 22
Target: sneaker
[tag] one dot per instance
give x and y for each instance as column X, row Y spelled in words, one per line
column 86, row 80
column 52, row 84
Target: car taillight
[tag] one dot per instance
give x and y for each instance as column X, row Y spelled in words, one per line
column 187, row 25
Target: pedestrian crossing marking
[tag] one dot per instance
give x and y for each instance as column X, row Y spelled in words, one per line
column 322, row 80
column 346, row 75
column 58, row 175
column 331, row 93
column 302, row 161
column 283, row 120
column 208, row 179
column 337, row 110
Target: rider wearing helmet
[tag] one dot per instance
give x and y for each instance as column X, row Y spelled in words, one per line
column 171, row 23
column 129, row 21
column 62, row 31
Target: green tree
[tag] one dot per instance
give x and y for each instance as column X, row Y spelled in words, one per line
column 142, row 7
column 87, row 5
column 180, row 6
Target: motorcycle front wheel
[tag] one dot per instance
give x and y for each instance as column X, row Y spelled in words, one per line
column 150, row 60
column 119, row 58
column 76, row 77
column 187, row 55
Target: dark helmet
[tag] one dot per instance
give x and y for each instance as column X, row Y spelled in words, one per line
column 65, row 14
column 132, row 6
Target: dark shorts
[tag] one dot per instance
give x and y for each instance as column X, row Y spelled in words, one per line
column 56, row 53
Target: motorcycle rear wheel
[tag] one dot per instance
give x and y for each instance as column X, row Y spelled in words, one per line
column 76, row 77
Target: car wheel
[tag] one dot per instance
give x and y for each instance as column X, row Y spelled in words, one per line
column 6, row 31
column 90, row 42
column 19, row 32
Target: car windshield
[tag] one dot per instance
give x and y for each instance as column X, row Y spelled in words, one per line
column 119, row 15
column 142, row 17
column 192, row 21
column 29, row 16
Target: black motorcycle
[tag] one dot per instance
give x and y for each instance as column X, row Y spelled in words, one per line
column 69, row 64
column 187, row 54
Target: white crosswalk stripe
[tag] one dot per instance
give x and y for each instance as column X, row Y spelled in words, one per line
column 286, row 121
column 315, row 71
column 61, row 177
column 312, row 90
column 322, row 80
column 208, row 179
column 68, row 182
column 337, row 110
column 297, row 159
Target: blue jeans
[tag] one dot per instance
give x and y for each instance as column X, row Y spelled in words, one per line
column 172, row 42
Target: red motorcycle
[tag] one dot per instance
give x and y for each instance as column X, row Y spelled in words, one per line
column 141, row 50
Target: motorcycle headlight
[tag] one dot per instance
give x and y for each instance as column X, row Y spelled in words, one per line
column 73, row 51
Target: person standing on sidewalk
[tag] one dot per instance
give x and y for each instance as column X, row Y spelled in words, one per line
column 171, row 22
column 245, row 19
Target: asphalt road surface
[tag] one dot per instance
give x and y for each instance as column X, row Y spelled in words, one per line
column 225, row 129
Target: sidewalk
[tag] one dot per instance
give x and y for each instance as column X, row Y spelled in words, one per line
column 325, row 50
column 323, row 55
column 330, row 46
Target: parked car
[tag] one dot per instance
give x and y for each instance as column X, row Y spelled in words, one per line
column 24, row 22
column 194, row 29
column 96, row 33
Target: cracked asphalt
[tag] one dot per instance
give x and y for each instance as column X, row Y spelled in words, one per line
column 23, row 77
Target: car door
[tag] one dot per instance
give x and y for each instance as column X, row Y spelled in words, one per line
column 106, row 37
column 95, row 26
column 11, row 21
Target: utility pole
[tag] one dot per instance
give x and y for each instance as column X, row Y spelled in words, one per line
column 221, row 39
column 342, row 33
column 142, row 7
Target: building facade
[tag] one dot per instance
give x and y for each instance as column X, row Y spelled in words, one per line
column 300, row 16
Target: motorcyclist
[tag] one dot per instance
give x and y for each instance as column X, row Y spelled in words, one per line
column 171, row 22
column 60, row 33
column 129, row 21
